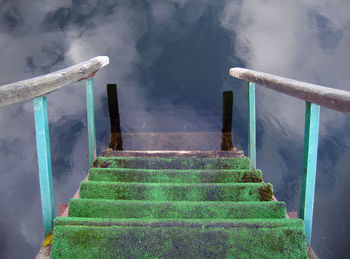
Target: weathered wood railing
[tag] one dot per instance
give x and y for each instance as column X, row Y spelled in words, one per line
column 314, row 96
column 37, row 88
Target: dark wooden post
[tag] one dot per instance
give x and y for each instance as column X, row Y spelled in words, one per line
column 226, row 141
column 115, row 142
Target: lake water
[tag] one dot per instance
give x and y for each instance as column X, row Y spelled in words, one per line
column 170, row 60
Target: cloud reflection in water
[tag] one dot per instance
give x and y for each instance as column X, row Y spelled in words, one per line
column 170, row 61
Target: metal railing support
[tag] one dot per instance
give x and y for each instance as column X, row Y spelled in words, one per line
column 90, row 106
column 252, row 125
column 312, row 119
column 44, row 161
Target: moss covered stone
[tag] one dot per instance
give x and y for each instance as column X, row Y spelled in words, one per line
column 174, row 192
column 266, row 192
column 203, row 223
column 174, row 175
column 173, row 163
column 175, row 210
column 176, row 207
column 116, row 241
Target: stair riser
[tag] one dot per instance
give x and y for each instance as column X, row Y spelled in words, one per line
column 174, row 176
column 177, row 242
column 175, row 210
column 173, row 163
column 177, row 192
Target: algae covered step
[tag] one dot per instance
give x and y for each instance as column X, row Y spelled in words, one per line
column 176, row 207
column 176, row 191
column 174, row 175
column 130, row 238
column 203, row 223
column 173, row 163
column 89, row 208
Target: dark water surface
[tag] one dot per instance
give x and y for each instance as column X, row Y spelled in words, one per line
column 170, row 60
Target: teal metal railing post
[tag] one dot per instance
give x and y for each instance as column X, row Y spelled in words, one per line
column 252, row 125
column 44, row 162
column 90, row 106
column 312, row 119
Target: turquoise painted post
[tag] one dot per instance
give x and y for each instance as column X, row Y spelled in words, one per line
column 44, row 161
column 252, row 127
column 91, row 119
column 312, row 119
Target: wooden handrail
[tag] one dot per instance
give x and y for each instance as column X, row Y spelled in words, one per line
column 42, row 85
column 328, row 97
column 314, row 96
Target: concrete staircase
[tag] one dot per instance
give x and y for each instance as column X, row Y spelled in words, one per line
column 176, row 205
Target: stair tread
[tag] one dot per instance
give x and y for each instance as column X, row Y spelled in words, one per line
column 176, row 184
column 214, row 223
column 171, row 153
column 159, row 141
column 173, row 163
column 180, row 241
column 177, row 191
column 174, row 175
column 175, row 209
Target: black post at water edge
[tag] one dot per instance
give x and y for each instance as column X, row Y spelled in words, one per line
column 115, row 142
column 226, row 140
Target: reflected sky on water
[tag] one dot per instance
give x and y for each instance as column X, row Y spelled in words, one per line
column 170, row 60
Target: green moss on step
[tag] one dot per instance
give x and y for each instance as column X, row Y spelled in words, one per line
column 175, row 192
column 174, row 175
column 252, row 176
column 175, row 210
column 266, row 192
column 137, row 207
column 173, row 163
column 177, row 242
column 203, row 223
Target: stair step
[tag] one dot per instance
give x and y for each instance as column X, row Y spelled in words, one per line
column 176, row 192
column 173, row 163
column 96, row 238
column 203, row 223
column 172, row 153
column 145, row 141
column 174, row 175
column 89, row 208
